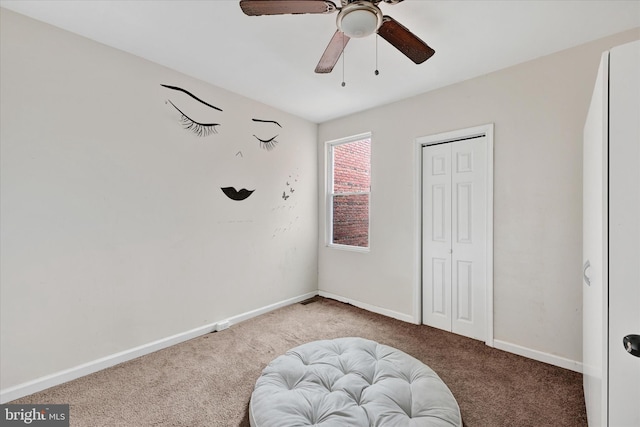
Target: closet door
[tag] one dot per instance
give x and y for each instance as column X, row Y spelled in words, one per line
column 436, row 226
column 454, row 236
column 468, row 196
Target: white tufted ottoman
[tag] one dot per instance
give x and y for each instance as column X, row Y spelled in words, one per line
column 350, row 382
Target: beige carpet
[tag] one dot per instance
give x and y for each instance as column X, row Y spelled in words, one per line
column 208, row 381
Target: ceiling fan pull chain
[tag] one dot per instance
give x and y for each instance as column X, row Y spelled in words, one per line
column 343, row 46
column 376, row 72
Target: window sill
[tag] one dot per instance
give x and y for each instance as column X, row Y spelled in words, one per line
column 348, row 248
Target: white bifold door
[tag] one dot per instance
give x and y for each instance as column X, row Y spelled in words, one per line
column 454, row 236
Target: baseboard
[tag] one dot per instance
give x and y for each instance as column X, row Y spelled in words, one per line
column 257, row 312
column 540, row 356
column 501, row 345
column 39, row 384
column 12, row 393
column 389, row 313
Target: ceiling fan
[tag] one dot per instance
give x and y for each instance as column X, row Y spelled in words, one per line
column 356, row 18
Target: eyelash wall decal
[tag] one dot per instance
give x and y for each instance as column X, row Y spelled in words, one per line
column 268, row 144
column 200, row 129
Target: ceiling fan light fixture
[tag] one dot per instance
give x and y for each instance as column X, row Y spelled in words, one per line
column 359, row 19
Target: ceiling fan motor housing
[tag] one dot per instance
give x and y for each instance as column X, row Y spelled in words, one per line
column 359, row 18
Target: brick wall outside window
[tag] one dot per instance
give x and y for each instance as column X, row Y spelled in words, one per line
column 351, row 174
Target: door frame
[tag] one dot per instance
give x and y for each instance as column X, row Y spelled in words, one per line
column 441, row 138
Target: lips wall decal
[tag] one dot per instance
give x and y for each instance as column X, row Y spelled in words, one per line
column 237, row 195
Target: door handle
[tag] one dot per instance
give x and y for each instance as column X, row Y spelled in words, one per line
column 632, row 344
column 586, row 278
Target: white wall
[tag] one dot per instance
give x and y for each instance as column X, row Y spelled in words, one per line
column 115, row 232
column 538, row 109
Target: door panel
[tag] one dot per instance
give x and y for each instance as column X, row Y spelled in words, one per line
column 440, row 278
column 464, row 291
column 464, row 212
column 439, row 201
column 469, row 237
column 436, row 220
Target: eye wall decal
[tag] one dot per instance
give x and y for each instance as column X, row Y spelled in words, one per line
column 200, row 129
column 270, row 142
column 267, row 144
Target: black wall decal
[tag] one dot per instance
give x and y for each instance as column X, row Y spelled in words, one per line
column 206, row 129
column 191, row 95
column 237, row 195
column 200, row 129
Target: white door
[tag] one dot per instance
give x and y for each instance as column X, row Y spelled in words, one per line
column 611, row 241
column 594, row 297
column 454, row 224
column 437, row 248
column 624, row 233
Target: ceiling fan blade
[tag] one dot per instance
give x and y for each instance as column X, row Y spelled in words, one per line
column 284, row 7
column 332, row 52
column 404, row 40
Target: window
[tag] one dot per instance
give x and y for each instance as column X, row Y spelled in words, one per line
column 348, row 191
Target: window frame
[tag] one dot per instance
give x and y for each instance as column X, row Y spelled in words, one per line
column 329, row 193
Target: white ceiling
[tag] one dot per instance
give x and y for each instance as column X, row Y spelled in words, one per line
column 272, row 58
